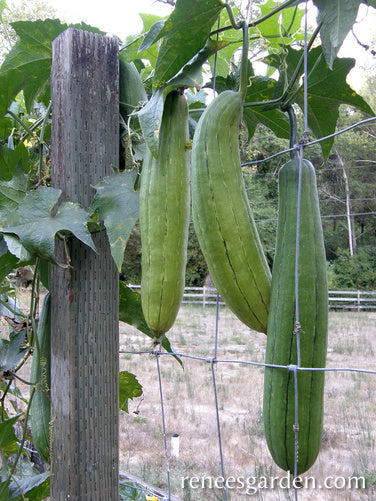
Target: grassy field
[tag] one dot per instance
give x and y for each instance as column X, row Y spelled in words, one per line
column 348, row 443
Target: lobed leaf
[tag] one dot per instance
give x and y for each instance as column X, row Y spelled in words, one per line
column 36, row 225
column 116, row 204
column 27, row 66
column 327, row 90
column 129, row 388
column 33, row 488
column 12, row 192
column 11, row 352
column 184, row 33
column 8, row 439
column 337, row 20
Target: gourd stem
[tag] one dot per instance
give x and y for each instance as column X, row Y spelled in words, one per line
column 232, row 19
column 244, row 61
column 293, row 131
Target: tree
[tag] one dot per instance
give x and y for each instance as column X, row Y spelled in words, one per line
column 25, row 11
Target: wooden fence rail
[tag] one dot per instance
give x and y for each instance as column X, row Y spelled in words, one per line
column 338, row 300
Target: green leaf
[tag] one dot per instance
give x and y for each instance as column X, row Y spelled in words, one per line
column 8, row 440
column 337, row 20
column 17, row 250
column 263, row 89
column 36, row 226
column 8, row 262
column 273, row 119
column 27, row 66
column 116, row 204
column 327, row 90
column 152, row 35
column 281, row 29
column 191, row 75
column 150, row 116
column 130, row 312
column 32, row 488
column 6, row 126
column 184, row 33
column 131, row 492
column 12, row 192
column 11, row 158
column 129, row 388
column 131, row 49
column 9, row 308
column 11, row 352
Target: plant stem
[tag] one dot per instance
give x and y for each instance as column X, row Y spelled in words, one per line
column 13, row 115
column 293, row 131
column 299, row 66
column 41, row 140
column 232, row 19
column 20, row 448
column 244, row 61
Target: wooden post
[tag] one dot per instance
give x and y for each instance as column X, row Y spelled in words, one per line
column 84, row 297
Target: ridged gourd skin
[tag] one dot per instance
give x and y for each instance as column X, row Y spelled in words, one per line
column 164, row 218
column 131, row 88
column 281, row 349
column 40, row 409
column 222, row 217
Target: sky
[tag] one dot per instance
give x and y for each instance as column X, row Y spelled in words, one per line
column 116, row 17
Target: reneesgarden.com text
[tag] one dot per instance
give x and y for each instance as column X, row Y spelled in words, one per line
column 252, row 484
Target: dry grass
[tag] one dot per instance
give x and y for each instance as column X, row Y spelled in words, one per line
column 348, row 446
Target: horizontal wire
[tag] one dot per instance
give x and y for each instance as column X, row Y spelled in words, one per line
column 212, row 360
column 310, row 143
column 322, row 201
column 331, row 216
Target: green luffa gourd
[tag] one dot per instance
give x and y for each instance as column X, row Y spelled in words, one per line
column 164, row 218
column 279, row 386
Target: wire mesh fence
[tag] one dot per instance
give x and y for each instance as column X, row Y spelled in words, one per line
column 214, row 403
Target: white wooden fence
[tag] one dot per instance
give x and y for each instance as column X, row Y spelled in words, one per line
column 338, row 300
